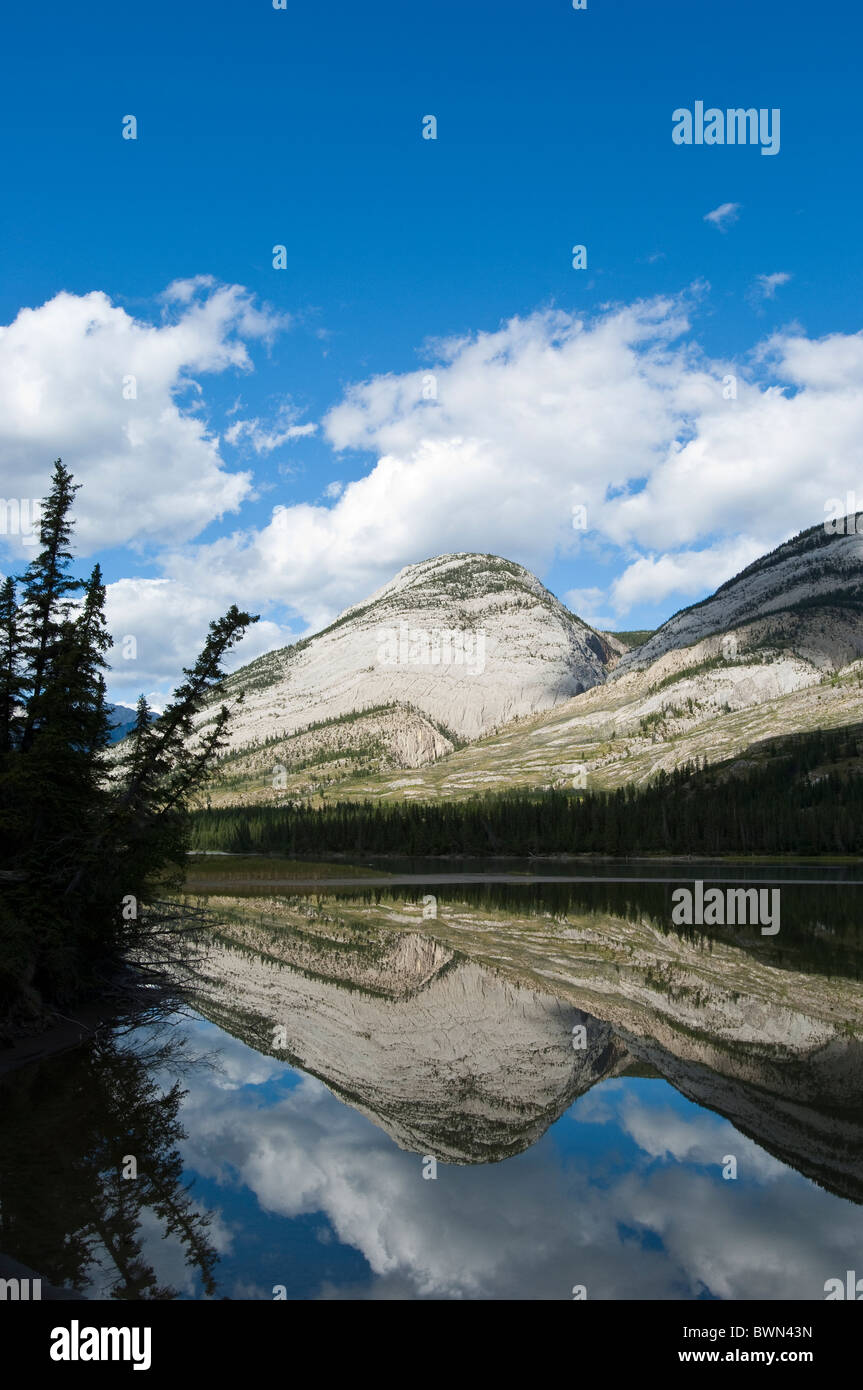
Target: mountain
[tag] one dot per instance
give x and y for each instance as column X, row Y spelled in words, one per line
column 122, row 718
column 776, row 649
column 445, row 652
column 798, row 597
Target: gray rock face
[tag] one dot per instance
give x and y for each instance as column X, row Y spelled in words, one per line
column 804, row 576
column 470, row 1064
column 468, row 642
column 464, row 646
column 450, row 1059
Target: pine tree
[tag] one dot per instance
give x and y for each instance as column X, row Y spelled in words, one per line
column 87, row 846
column 47, row 585
column 11, row 683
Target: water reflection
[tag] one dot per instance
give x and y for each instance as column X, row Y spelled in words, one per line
column 472, row 1064
column 70, row 1126
column 624, row 1194
column 581, row 1074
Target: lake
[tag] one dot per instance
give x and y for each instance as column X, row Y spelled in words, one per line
column 443, row 1088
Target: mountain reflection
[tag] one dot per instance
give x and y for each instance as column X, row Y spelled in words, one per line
column 580, row 1073
column 471, row 1064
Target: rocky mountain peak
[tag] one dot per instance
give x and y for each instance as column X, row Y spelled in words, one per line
column 466, row 641
column 803, row 577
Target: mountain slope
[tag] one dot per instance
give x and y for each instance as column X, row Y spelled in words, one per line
column 776, row 649
column 595, row 744
column 815, row 572
column 446, row 651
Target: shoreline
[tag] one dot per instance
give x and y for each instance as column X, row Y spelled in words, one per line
column 60, row 1037
column 217, row 888
column 355, row 861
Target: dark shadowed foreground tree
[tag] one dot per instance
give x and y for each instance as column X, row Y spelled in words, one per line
column 87, row 839
column 90, row 1222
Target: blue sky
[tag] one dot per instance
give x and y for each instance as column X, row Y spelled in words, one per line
column 624, row 1194
column 302, row 127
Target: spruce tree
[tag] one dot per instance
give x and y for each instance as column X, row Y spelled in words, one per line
column 90, row 841
column 11, row 683
column 47, row 586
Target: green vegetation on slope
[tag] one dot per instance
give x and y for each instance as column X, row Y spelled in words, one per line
column 801, row 794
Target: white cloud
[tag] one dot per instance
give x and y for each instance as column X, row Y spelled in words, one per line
column 684, row 481
column 168, row 621
column 767, row 285
column 652, row 578
column 723, row 216
column 117, row 398
column 622, row 414
column 587, row 603
column 265, row 439
column 831, row 364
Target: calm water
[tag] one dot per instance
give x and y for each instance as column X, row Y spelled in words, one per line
column 537, row 1087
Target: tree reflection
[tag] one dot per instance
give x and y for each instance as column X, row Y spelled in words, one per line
column 69, row 1125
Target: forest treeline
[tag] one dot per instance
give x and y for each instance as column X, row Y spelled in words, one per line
column 801, row 794
column 88, row 840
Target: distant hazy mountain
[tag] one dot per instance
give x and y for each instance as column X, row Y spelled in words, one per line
column 122, row 718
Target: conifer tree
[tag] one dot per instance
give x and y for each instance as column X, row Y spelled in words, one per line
column 47, row 586
column 11, row 684
column 88, row 841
